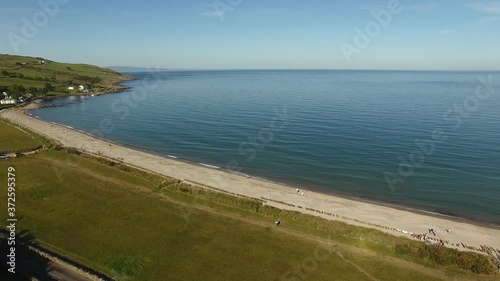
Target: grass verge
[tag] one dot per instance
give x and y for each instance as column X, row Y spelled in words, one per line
column 140, row 226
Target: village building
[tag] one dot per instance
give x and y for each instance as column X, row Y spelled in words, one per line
column 8, row 101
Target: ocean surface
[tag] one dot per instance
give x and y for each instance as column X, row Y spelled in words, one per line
column 424, row 140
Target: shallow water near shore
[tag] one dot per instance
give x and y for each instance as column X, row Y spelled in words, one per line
column 337, row 132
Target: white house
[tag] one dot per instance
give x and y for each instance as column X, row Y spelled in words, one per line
column 8, row 101
column 84, row 88
column 71, row 88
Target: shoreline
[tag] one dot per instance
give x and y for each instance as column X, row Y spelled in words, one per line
column 368, row 200
column 390, row 218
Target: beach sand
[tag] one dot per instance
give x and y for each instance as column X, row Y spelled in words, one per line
column 388, row 219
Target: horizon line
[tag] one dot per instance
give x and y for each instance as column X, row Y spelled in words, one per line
column 306, row 69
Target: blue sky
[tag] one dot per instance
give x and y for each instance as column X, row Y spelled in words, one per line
column 227, row 34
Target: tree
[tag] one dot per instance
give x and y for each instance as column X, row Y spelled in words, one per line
column 16, row 95
column 49, row 87
column 88, row 79
column 20, row 75
column 17, row 89
column 14, row 87
column 33, row 90
column 5, row 73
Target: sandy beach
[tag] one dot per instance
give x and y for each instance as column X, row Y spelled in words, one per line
column 391, row 220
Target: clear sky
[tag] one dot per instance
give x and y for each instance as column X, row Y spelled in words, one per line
column 226, row 34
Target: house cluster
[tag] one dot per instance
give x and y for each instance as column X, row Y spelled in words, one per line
column 8, row 100
column 82, row 88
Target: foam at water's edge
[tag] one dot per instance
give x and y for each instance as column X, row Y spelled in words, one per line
column 209, row 166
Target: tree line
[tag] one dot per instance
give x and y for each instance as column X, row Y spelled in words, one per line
column 16, row 90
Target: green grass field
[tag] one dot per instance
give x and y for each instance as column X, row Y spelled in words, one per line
column 14, row 139
column 139, row 226
column 59, row 75
column 7, row 81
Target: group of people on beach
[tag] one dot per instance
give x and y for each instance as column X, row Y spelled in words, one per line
column 425, row 238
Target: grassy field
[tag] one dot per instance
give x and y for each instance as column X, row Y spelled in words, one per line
column 139, row 226
column 60, row 75
column 7, row 81
column 14, row 139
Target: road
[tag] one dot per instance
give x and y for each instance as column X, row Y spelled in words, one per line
column 51, row 271
column 30, row 264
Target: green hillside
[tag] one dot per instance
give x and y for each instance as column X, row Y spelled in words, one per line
column 41, row 77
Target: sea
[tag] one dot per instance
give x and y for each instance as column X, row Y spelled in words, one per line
column 423, row 140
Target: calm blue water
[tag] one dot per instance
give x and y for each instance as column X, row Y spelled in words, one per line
column 333, row 131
